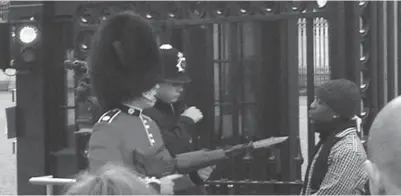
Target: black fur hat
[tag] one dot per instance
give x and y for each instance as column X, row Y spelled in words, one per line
column 124, row 60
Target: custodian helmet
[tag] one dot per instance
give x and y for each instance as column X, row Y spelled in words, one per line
column 174, row 65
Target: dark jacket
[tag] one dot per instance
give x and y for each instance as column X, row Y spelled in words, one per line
column 177, row 134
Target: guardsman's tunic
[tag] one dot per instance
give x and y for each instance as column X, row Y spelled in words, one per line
column 119, row 133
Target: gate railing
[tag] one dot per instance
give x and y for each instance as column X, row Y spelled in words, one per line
column 50, row 182
column 320, row 51
column 222, row 186
column 232, row 187
column 4, row 10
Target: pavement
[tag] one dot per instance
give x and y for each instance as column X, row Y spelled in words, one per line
column 8, row 165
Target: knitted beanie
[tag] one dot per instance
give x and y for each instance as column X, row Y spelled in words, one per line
column 342, row 96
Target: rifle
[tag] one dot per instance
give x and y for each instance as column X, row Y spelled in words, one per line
column 153, row 164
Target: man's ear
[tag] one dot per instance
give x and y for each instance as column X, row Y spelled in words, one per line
column 375, row 184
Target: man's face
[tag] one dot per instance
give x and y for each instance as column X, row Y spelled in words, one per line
column 320, row 111
column 170, row 92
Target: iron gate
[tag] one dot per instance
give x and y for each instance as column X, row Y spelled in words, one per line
column 243, row 58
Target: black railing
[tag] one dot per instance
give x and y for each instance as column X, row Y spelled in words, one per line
column 240, row 57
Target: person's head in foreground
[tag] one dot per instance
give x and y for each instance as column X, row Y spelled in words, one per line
column 124, row 62
column 384, row 151
column 110, row 180
column 174, row 76
column 336, row 102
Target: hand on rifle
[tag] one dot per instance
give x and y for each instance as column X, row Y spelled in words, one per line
column 205, row 173
column 167, row 184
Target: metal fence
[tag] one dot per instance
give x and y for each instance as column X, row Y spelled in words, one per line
column 320, row 50
column 4, row 9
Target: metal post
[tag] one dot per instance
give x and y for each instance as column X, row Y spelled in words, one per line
column 392, row 50
column 373, row 65
column 397, row 10
column 396, row 45
column 292, row 102
column 382, row 53
column 310, row 66
column 352, row 41
column 336, row 39
column 13, row 92
column 49, row 189
column 31, row 114
column 270, row 85
column 390, row 55
column 50, row 182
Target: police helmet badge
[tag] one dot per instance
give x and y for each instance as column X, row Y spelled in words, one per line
column 174, row 64
column 181, row 65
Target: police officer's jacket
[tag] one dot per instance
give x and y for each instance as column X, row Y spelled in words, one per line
column 176, row 132
column 176, row 129
column 119, row 133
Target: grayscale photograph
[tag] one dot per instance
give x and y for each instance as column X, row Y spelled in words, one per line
column 200, row 97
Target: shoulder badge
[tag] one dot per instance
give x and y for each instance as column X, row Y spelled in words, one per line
column 109, row 116
column 181, row 62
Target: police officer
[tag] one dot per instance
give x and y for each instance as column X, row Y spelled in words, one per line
column 124, row 65
column 173, row 116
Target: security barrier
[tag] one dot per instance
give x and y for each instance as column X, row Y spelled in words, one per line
column 50, row 182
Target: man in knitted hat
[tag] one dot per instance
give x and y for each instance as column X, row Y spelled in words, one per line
column 384, row 150
column 125, row 65
column 173, row 116
column 337, row 166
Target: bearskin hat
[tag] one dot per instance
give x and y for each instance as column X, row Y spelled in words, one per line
column 124, row 60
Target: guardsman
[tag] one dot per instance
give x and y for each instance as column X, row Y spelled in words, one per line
column 124, row 65
column 173, row 116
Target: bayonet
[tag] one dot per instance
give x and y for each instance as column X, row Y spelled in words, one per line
column 265, row 143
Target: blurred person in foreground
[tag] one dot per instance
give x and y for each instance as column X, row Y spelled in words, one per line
column 110, row 180
column 173, row 116
column 124, row 65
column 384, row 151
column 337, row 165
